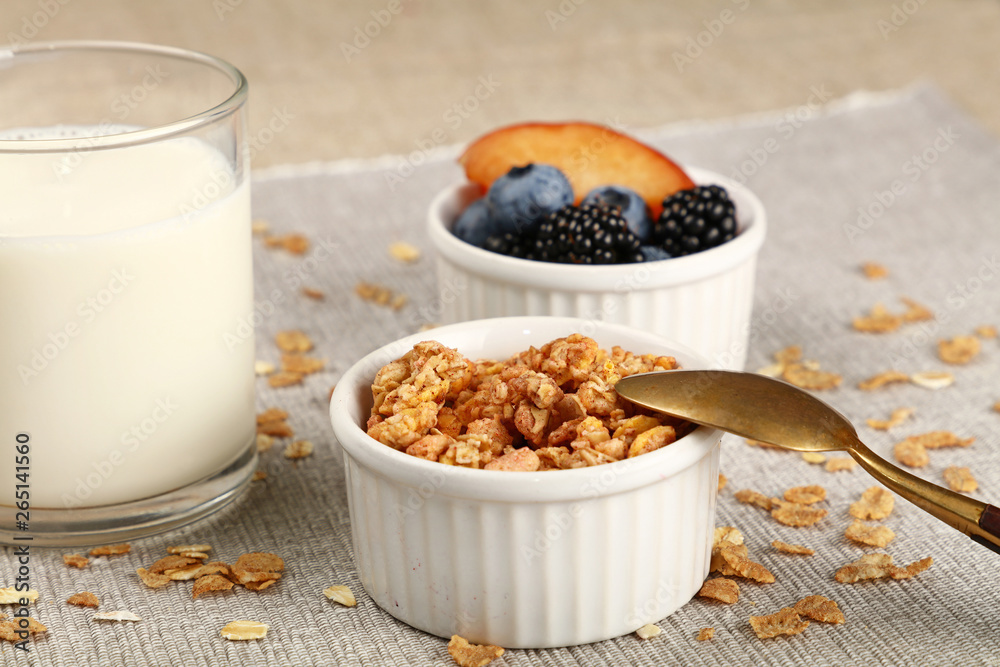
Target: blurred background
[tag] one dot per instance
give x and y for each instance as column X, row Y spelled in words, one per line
column 336, row 79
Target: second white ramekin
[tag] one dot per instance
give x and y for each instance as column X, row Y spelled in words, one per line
column 702, row 300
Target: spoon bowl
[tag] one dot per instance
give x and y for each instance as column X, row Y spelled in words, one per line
column 775, row 412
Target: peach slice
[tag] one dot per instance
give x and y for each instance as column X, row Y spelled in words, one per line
column 589, row 154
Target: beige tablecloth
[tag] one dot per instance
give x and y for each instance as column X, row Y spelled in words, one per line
column 827, row 178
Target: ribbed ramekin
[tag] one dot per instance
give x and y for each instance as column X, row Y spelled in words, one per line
column 526, row 560
column 703, row 301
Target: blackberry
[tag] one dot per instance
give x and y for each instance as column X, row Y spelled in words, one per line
column 694, row 220
column 584, row 234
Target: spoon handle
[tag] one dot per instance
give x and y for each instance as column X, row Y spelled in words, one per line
column 976, row 519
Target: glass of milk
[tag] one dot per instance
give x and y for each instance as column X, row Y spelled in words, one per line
column 126, row 395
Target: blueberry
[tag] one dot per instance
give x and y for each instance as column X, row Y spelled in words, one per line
column 523, row 196
column 474, row 225
column 652, row 253
column 632, row 207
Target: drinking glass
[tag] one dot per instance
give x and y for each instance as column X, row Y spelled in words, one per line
column 126, row 378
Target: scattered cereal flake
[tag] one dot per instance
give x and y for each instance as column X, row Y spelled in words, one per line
column 10, row 629
column 111, row 550
column 76, row 560
column 297, row 244
column 11, row 595
column 257, row 567
column 899, row 415
column 873, row 536
column 805, row 495
column 813, row 457
column 341, row 595
column 260, row 226
column 261, row 367
column 874, row 270
column 795, row 514
column 879, row 320
column 911, row 453
column 876, row 503
column 172, row 562
column 264, row 442
column 210, row 583
column 784, row 622
column 379, row 295
column 721, row 589
column 260, row 585
column 807, row 378
column 293, row 341
column 958, row 350
column 648, row 631
column 284, row 379
column 258, row 476
column 911, row 570
column 933, row 379
column 705, row 634
column 740, row 565
column 882, row 379
column 153, row 579
column 722, row 482
column 727, row 534
column 276, row 429
column 878, row 566
column 751, row 497
column 301, row 364
column 939, row 439
column 472, row 655
column 84, row 599
column 187, row 573
column 820, row 608
column 839, row 463
column 771, row 370
column 313, row 293
column 996, row 406
column 986, row 331
column 787, row 548
column 915, row 312
column 121, row 615
column 788, row 355
column 271, row 415
column 183, row 549
column 298, row 449
column 404, row 252
column 960, row 479
column 244, row 630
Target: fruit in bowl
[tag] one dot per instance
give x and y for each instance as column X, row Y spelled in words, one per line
column 581, row 193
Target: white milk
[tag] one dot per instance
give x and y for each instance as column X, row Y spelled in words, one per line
column 123, row 277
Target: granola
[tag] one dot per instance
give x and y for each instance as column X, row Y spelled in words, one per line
column 546, row 408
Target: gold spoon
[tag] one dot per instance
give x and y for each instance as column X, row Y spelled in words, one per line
column 772, row 411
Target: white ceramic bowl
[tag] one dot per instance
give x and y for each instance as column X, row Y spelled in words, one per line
column 526, row 560
column 703, row 300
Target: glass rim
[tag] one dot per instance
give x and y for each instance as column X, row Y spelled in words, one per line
column 9, row 54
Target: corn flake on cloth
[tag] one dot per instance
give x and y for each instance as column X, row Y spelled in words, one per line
column 905, row 179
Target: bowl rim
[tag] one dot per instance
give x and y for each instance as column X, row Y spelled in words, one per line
column 504, row 486
column 751, row 218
